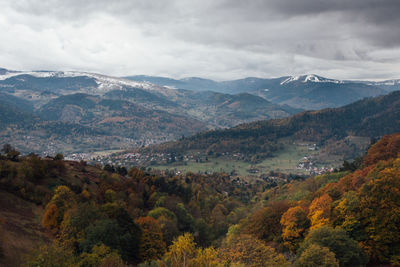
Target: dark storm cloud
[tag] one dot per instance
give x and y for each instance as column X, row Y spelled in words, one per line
column 212, row 38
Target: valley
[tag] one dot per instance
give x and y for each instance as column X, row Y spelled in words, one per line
column 82, row 114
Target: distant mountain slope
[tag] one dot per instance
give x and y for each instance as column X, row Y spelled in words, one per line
column 191, row 83
column 118, row 117
column 371, row 117
column 20, row 103
column 86, row 111
column 11, row 114
column 389, row 85
column 315, row 92
column 43, row 86
column 303, row 92
column 210, row 107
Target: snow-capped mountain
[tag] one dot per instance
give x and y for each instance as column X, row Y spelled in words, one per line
column 386, row 82
column 309, row 91
column 104, row 83
column 309, row 78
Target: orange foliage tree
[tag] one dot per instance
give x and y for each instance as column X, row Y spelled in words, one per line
column 50, row 217
column 265, row 222
column 388, row 147
column 294, row 226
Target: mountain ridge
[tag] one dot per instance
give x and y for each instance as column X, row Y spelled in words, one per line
column 371, row 117
column 306, row 92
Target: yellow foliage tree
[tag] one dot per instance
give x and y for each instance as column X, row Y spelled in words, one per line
column 320, row 211
column 181, row 251
column 248, row 250
column 207, row 257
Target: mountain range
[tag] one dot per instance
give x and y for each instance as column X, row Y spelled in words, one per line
column 75, row 111
column 50, row 111
column 307, row 92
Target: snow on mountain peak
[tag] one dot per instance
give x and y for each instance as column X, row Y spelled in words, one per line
column 309, row 78
column 104, row 83
column 290, row 79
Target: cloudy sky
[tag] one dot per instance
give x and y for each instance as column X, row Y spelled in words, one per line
column 218, row 39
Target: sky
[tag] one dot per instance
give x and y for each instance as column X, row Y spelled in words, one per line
column 216, row 39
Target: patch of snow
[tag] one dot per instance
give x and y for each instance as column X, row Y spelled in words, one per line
column 311, row 78
column 170, row 87
column 290, row 79
column 387, row 82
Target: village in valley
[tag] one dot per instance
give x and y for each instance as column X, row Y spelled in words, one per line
column 202, row 163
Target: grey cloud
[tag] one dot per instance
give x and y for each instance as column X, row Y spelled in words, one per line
column 213, row 38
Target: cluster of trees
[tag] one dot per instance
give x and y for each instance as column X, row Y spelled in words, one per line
column 338, row 219
column 101, row 218
column 98, row 214
column 140, row 215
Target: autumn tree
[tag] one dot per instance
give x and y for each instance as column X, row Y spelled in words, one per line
column 75, row 221
column 218, row 219
column 380, row 214
column 169, row 229
column 252, row 252
column 265, row 222
column 152, row 245
column 294, row 226
column 388, row 147
column 62, row 200
column 182, row 250
column 207, row 257
column 317, row 256
column 346, row 214
column 117, row 231
column 52, row 255
column 346, row 250
column 320, row 211
column 50, row 217
column 102, row 256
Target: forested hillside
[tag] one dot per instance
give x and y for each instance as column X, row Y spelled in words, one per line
column 114, row 217
column 372, row 117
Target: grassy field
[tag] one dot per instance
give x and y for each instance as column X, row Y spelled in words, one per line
column 212, row 165
column 107, row 152
column 285, row 160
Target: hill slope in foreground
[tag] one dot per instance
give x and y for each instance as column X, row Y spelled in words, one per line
column 79, row 215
